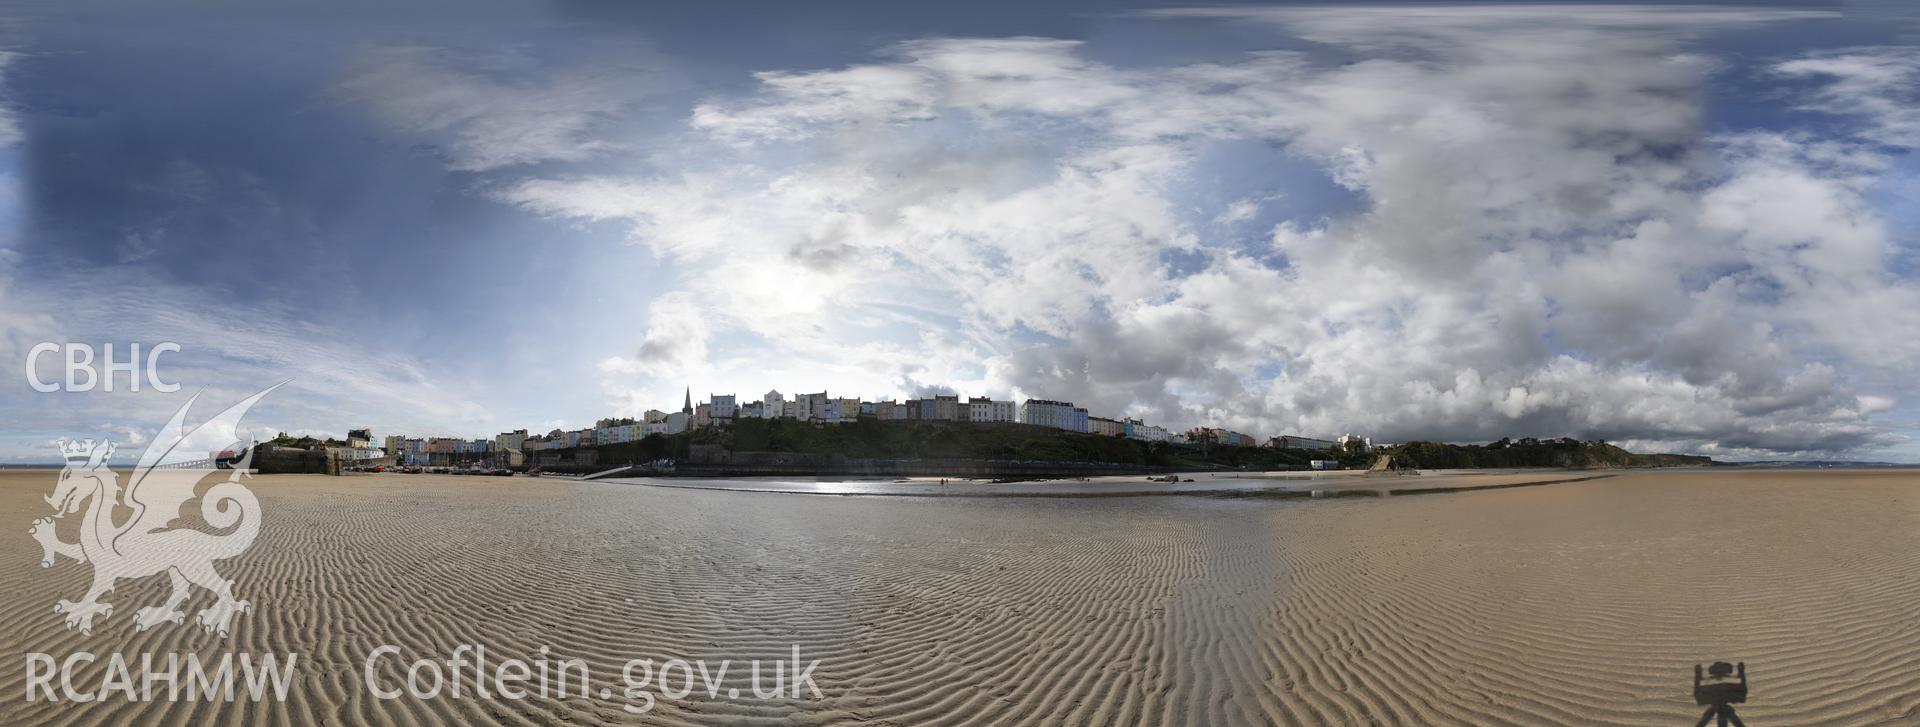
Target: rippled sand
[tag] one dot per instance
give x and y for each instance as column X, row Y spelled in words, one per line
column 1584, row 603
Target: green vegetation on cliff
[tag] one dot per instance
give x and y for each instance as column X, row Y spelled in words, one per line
column 284, row 439
column 1532, row 453
column 872, row 439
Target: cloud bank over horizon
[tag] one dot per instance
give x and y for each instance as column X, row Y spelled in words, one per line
column 1439, row 222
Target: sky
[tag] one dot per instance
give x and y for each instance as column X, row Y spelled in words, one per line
column 1675, row 228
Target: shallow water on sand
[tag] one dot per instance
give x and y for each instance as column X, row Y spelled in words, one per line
column 1189, row 483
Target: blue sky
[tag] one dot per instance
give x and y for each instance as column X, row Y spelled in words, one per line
column 1681, row 228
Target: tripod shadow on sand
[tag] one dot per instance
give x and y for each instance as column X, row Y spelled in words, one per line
column 1718, row 689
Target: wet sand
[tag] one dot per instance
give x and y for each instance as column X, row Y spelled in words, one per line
column 1248, row 484
column 1578, row 603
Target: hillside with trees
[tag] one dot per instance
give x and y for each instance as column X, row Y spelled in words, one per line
column 1565, row 452
column 878, row 440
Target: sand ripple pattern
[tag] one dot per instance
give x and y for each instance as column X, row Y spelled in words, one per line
column 1582, row 603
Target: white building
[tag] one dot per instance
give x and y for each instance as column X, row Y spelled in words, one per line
column 677, row 422
column 1137, row 429
column 982, row 409
column 1056, row 414
column 810, row 407
column 356, row 453
column 773, row 405
column 472, row 446
column 1288, row 441
column 515, row 439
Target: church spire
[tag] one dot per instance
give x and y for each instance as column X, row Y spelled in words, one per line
column 687, row 408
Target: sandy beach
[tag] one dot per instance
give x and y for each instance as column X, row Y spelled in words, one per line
column 1576, row 603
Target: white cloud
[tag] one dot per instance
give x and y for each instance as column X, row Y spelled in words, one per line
column 1241, row 210
column 335, row 381
column 1493, row 30
column 10, row 133
column 487, row 119
column 20, row 326
column 1551, row 243
column 1879, row 85
column 982, row 76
